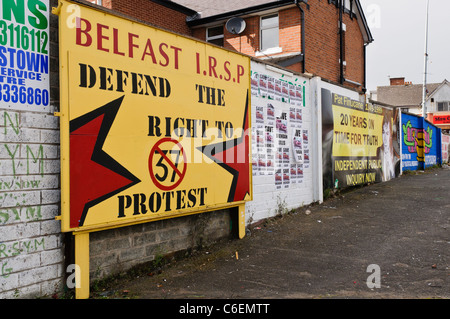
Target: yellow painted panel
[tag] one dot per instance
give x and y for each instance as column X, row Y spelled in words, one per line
column 153, row 124
column 357, row 130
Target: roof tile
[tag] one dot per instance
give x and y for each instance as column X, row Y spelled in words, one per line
column 215, row 7
column 403, row 95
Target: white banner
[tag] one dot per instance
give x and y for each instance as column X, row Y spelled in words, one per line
column 24, row 55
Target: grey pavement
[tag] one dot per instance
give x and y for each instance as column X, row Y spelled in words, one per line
column 331, row 250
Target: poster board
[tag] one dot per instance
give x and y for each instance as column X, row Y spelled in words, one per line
column 421, row 143
column 358, row 142
column 154, row 125
column 280, row 136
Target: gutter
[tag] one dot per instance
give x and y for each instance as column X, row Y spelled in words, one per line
column 364, row 89
column 342, row 78
column 364, row 22
column 196, row 21
column 341, row 43
column 302, row 15
column 175, row 6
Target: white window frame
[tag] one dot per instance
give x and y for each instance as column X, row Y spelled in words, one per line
column 446, row 106
column 271, row 50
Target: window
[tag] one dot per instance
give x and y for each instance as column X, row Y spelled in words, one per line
column 99, row 2
column 215, row 35
column 349, row 6
column 443, row 106
column 343, row 44
column 269, row 32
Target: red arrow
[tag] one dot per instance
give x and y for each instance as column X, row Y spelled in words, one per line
column 94, row 175
column 234, row 157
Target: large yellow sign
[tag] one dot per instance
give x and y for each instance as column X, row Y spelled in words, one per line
column 357, row 128
column 153, row 124
column 357, row 146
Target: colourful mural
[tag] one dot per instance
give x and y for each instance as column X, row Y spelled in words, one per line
column 420, row 143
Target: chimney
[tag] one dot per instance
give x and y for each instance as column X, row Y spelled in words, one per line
column 397, row 81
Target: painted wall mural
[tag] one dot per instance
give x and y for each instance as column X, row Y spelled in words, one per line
column 359, row 142
column 421, row 143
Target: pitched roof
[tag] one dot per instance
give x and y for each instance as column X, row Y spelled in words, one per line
column 404, row 95
column 209, row 8
column 176, row 6
column 431, row 92
column 216, row 10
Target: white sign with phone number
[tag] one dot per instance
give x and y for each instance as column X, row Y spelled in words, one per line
column 24, row 55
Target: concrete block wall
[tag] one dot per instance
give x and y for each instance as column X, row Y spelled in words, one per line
column 31, row 244
column 117, row 250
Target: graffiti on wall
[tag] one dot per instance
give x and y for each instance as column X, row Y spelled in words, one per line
column 421, row 143
column 24, row 86
column 22, row 175
column 417, row 140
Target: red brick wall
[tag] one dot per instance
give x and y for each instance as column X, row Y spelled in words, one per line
column 246, row 42
column 354, row 51
column 322, row 40
column 322, row 44
column 153, row 13
column 199, row 33
column 397, row 81
column 107, row 3
column 290, row 30
column 321, row 29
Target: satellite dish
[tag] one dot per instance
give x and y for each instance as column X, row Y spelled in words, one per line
column 235, row 25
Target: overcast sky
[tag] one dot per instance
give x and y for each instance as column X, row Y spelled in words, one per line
column 398, row 29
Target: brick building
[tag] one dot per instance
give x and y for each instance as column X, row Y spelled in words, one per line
column 164, row 14
column 303, row 36
column 323, row 38
column 408, row 97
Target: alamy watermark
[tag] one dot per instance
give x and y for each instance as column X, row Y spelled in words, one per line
column 374, row 280
column 373, row 16
column 74, row 279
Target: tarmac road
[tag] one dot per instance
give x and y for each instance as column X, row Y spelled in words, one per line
column 401, row 226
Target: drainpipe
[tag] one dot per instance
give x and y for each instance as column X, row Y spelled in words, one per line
column 302, row 15
column 364, row 89
column 341, row 42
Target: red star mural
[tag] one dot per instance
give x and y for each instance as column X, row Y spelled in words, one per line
column 233, row 156
column 95, row 176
